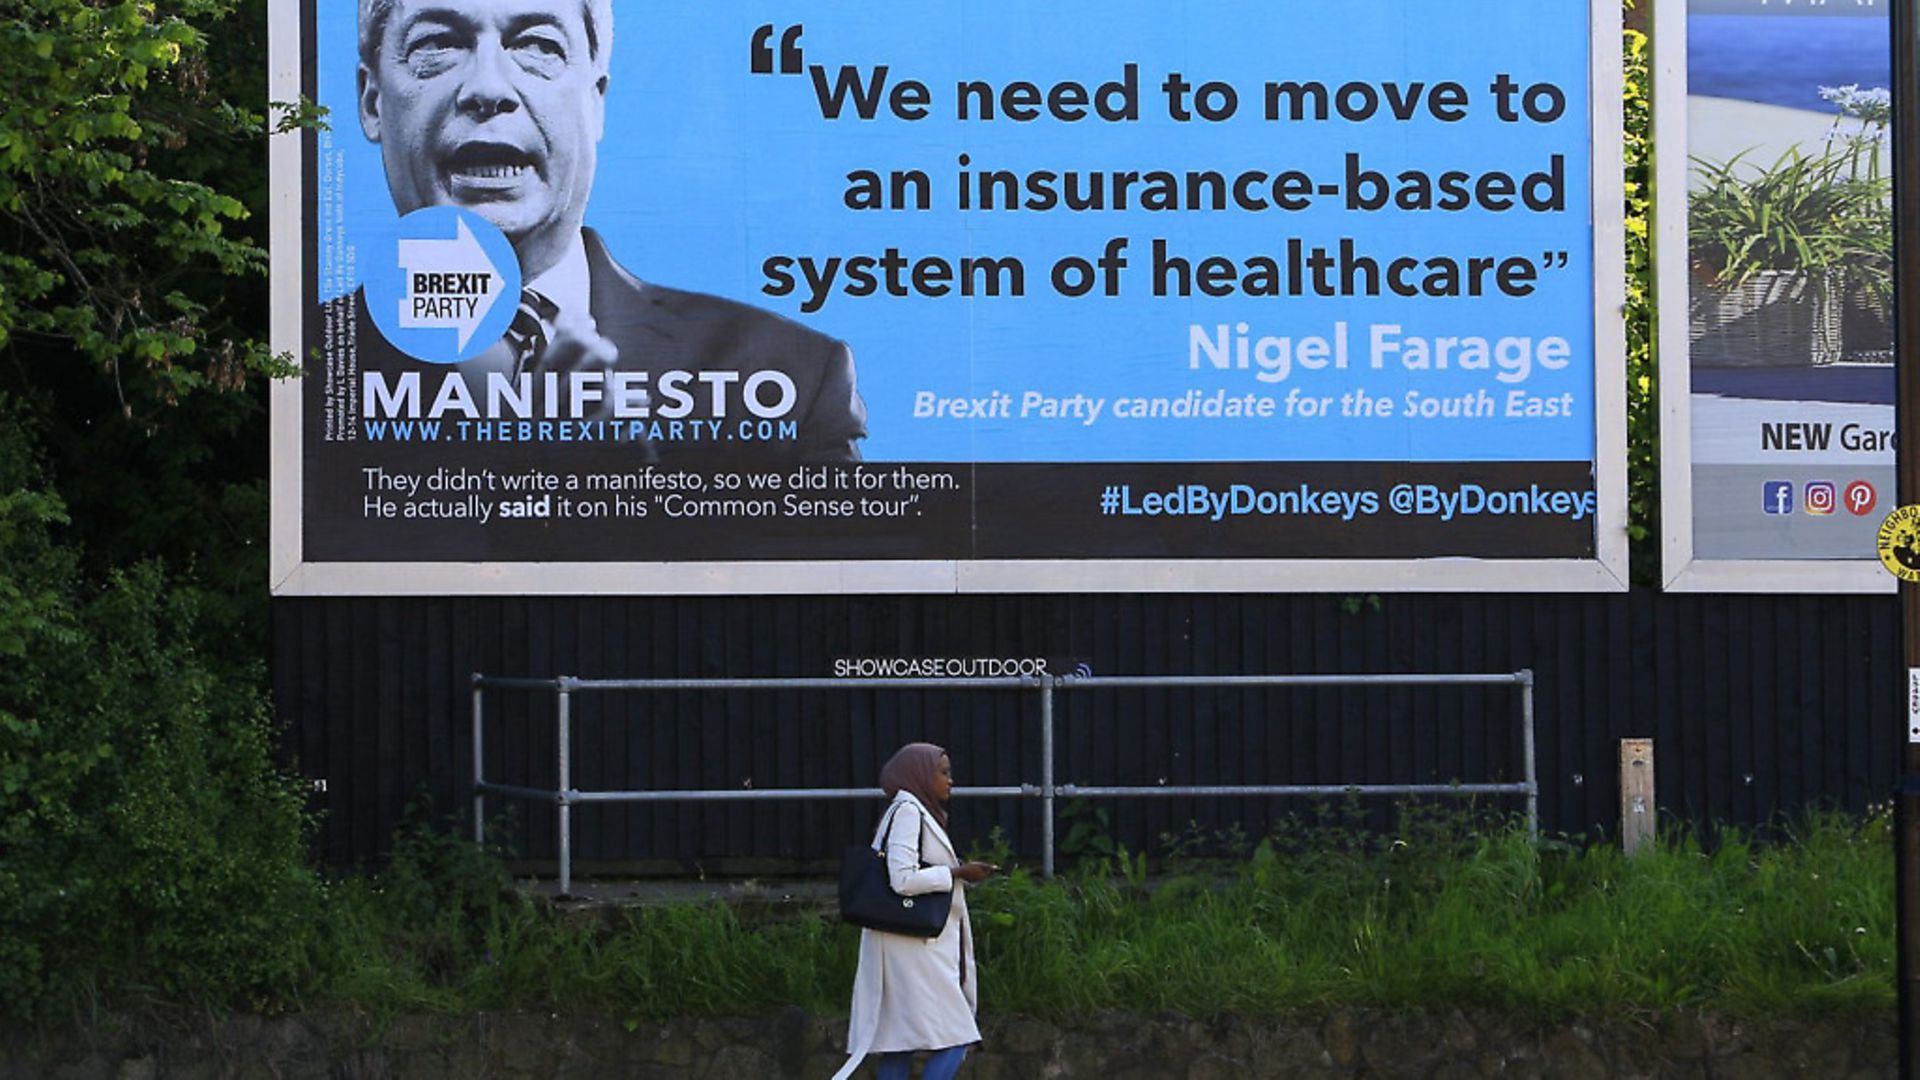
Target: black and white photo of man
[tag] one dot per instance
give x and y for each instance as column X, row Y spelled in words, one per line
column 498, row 107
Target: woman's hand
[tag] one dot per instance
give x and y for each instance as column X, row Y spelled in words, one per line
column 974, row 873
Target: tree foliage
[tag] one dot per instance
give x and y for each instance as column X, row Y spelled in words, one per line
column 115, row 246
column 146, row 841
column 1643, row 441
column 132, row 283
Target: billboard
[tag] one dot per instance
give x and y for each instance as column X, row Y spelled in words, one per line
column 1775, row 241
column 801, row 297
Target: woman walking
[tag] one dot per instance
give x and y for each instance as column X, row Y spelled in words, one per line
column 914, row 993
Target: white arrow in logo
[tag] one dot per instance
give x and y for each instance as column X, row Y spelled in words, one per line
column 451, row 284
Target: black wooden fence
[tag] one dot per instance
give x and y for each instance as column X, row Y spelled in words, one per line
column 1758, row 706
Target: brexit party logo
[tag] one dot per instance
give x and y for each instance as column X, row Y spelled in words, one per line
column 443, row 284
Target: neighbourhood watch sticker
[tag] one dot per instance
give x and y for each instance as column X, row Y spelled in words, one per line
column 442, row 286
column 1899, row 543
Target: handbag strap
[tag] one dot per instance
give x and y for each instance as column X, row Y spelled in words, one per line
column 886, row 833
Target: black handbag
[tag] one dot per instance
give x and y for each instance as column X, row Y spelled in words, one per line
column 867, row 899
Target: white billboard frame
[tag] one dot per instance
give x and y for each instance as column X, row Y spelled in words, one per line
column 291, row 575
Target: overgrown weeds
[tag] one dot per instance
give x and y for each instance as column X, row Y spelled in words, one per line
column 442, row 930
column 1441, row 911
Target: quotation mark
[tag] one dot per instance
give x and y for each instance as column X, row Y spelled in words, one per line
column 791, row 62
column 1553, row 260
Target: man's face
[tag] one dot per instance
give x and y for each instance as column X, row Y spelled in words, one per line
column 491, row 105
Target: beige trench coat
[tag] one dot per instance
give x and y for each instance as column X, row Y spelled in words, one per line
column 907, row 994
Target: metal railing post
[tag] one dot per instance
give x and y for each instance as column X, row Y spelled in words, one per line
column 562, row 711
column 1046, row 777
column 479, row 757
column 1533, row 771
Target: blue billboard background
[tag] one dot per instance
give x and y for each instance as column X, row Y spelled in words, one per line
column 708, row 170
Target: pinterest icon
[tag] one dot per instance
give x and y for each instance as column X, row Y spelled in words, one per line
column 1860, row 498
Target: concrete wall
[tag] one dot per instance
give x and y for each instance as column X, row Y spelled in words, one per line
column 791, row 1043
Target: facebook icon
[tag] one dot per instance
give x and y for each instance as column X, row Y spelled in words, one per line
column 1776, row 496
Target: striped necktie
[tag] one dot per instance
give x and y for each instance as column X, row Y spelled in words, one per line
column 527, row 334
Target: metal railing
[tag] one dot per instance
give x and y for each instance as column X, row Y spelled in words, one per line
column 564, row 796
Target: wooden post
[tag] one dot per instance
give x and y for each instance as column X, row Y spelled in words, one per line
column 1636, row 794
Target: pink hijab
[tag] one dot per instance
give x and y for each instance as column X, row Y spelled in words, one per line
column 912, row 769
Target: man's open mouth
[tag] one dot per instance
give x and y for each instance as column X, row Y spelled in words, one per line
column 489, row 165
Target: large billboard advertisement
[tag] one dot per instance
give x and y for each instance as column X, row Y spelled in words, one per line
column 1775, row 259
column 593, row 296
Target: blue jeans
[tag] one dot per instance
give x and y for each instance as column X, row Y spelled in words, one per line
column 941, row 1064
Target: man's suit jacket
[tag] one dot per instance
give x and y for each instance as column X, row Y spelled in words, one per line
column 657, row 329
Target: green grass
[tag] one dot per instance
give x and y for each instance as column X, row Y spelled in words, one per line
column 1482, row 919
column 1440, row 913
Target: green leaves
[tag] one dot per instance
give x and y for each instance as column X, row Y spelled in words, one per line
column 1803, row 213
column 123, row 249
column 147, row 842
column 1643, row 462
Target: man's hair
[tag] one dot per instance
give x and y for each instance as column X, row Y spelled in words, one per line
column 596, row 15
